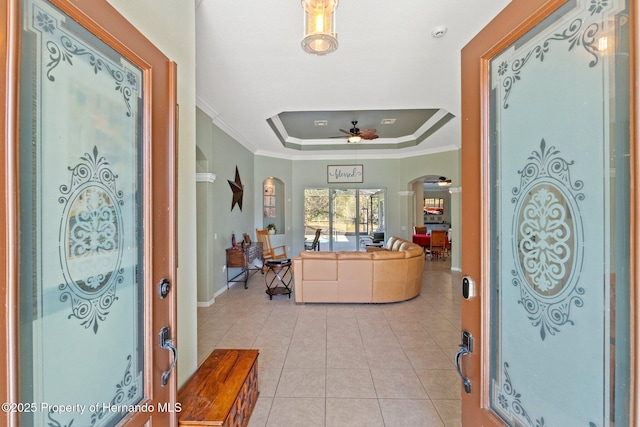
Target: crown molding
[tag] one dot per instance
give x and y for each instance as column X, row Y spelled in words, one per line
column 205, row 177
column 202, row 104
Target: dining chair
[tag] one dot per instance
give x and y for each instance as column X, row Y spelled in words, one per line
column 315, row 244
column 437, row 246
column 419, row 230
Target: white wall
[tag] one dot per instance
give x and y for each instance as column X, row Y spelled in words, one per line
column 170, row 26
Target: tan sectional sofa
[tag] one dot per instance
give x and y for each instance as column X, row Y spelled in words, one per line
column 390, row 275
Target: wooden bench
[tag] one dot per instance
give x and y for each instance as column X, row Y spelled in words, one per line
column 222, row 391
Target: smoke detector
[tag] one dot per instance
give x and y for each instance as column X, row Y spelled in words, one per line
column 439, row 32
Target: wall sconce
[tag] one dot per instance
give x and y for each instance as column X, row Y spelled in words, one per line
column 319, row 26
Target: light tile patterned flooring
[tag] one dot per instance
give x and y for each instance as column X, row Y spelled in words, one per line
column 346, row 364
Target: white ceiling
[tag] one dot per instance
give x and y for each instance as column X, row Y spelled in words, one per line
column 250, row 68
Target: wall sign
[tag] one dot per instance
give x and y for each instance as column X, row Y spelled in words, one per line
column 344, row 173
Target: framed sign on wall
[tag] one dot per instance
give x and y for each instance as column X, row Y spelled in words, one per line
column 344, row 173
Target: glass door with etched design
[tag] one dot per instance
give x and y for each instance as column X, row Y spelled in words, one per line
column 552, row 317
column 85, row 337
column 560, row 220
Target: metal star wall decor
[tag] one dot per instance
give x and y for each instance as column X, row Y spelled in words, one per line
column 237, row 189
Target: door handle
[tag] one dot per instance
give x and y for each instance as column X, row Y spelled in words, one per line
column 465, row 348
column 167, row 343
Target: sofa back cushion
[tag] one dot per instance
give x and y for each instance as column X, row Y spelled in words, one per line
column 354, row 255
column 319, row 266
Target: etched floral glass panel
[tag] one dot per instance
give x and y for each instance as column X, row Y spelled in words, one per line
column 81, row 288
column 559, row 157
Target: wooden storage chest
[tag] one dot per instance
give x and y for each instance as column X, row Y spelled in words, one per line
column 222, row 391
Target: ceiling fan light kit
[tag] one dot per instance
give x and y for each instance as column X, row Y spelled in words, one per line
column 356, row 135
column 320, row 37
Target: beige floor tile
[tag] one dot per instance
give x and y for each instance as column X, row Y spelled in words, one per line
column 344, row 337
column 307, row 337
column 387, row 358
column 297, row 412
column 325, row 364
column 407, row 412
column 304, row 357
column 271, row 357
column 398, row 384
column 302, row 383
column 447, row 339
column 272, row 338
column 268, row 379
column 353, row 413
column 260, row 412
column 441, row 384
column 430, row 359
column 449, row 411
column 350, row 383
column 346, row 356
column 416, row 340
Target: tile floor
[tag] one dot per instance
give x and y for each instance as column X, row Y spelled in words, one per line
column 346, row 364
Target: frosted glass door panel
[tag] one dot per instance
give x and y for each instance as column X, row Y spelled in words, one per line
column 559, row 230
column 81, row 296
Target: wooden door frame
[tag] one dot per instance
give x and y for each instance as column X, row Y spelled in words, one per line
column 160, row 142
column 515, row 20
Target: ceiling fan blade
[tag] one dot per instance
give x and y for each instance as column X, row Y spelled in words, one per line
column 345, row 131
column 367, row 131
column 369, row 137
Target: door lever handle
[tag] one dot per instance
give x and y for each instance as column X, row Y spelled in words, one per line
column 465, row 348
column 465, row 380
column 167, row 343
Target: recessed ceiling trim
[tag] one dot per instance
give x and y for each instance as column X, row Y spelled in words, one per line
column 357, row 154
column 433, row 120
column 433, row 129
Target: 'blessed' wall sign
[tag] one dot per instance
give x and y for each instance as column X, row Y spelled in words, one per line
column 344, row 173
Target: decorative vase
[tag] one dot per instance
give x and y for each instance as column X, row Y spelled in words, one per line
column 272, row 231
column 233, row 240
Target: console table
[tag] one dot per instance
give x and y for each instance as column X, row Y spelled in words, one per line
column 243, row 258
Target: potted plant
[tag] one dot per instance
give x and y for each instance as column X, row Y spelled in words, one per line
column 272, row 229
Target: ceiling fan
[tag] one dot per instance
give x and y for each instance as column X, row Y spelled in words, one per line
column 355, row 134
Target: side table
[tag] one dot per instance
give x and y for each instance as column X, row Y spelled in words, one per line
column 278, row 277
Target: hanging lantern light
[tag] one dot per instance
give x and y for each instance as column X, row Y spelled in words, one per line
column 319, row 26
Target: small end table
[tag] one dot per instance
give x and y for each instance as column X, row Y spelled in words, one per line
column 278, row 277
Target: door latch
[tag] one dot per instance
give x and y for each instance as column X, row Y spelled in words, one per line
column 167, row 343
column 465, row 348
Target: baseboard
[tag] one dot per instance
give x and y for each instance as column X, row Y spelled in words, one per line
column 207, row 303
column 217, row 294
column 456, row 269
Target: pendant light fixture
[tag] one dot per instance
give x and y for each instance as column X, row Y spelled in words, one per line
column 319, row 26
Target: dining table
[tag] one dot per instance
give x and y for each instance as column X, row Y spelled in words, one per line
column 424, row 240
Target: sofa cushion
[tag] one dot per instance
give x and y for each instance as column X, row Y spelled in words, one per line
column 319, row 269
column 387, row 255
column 355, row 278
column 354, row 255
column 413, row 251
column 318, row 255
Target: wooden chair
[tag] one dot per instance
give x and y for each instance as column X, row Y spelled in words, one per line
column 438, row 243
column 419, row 230
column 315, row 244
column 269, row 252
